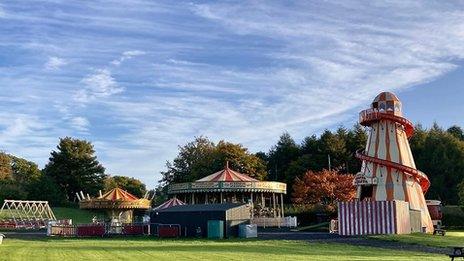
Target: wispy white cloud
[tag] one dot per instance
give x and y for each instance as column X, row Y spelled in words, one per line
column 244, row 72
column 55, row 63
column 2, row 12
column 126, row 56
column 98, row 85
column 81, row 124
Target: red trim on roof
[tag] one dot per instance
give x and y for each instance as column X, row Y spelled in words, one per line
column 226, row 175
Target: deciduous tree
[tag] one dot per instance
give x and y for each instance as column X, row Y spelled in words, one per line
column 5, row 166
column 324, row 187
column 202, row 157
column 131, row 185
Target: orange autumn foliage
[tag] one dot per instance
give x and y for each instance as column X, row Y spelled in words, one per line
column 324, row 188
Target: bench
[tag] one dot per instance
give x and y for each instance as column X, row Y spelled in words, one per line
column 457, row 252
column 441, row 232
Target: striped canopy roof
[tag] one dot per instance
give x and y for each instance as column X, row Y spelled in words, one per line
column 118, row 194
column 170, row 203
column 226, row 175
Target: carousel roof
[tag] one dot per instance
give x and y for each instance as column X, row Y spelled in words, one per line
column 227, row 175
column 115, row 199
column 170, row 203
column 118, row 194
column 227, row 180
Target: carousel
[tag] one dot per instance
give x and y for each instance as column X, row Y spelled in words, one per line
column 229, row 186
column 119, row 204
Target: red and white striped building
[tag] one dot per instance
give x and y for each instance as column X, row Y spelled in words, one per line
column 388, row 171
column 373, row 217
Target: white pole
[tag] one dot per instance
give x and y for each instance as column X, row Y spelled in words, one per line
column 330, row 167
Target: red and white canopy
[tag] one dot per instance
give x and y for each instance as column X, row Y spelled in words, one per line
column 170, row 203
column 227, row 175
column 118, row 194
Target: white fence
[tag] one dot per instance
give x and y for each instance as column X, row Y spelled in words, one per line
column 275, row 222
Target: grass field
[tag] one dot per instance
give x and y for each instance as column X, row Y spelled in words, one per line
column 133, row 248
column 452, row 238
column 78, row 216
column 154, row 249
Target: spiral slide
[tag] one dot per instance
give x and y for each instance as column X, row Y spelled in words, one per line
column 367, row 117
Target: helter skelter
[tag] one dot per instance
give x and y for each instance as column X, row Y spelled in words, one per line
column 390, row 190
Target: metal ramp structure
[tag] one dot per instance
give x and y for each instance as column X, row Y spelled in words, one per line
column 26, row 214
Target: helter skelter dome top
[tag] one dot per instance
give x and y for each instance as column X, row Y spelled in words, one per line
column 387, row 102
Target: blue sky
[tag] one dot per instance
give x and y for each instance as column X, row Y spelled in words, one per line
column 138, row 78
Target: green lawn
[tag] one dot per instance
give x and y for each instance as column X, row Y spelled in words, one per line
column 452, row 238
column 78, row 216
column 155, row 249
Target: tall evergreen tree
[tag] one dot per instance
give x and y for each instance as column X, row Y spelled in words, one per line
column 334, row 146
column 281, row 155
column 356, row 139
column 456, row 131
column 441, row 156
column 74, row 167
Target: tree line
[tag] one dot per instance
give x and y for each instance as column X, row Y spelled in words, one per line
column 72, row 167
column 438, row 152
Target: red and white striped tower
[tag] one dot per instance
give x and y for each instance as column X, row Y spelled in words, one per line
column 388, row 171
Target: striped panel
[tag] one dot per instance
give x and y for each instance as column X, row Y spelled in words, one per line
column 373, row 217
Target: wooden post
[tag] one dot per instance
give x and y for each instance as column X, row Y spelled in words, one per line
column 252, row 206
column 274, row 204
column 282, row 204
column 262, row 200
column 206, row 198
column 221, row 197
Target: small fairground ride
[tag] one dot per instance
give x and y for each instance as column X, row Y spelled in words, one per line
column 436, row 214
column 118, row 204
column 25, row 214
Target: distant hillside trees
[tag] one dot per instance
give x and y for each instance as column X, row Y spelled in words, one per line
column 287, row 160
column 18, row 177
column 72, row 167
column 440, row 154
